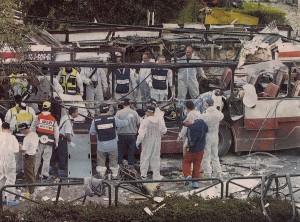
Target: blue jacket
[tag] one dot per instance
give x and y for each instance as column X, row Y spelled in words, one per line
column 196, row 135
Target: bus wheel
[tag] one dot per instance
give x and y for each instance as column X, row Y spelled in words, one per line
column 225, row 140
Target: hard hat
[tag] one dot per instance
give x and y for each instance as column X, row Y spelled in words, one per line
column 46, row 104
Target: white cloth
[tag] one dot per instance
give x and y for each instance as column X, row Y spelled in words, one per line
column 45, row 151
column 94, row 93
column 150, row 133
column 192, row 115
column 8, row 147
column 250, row 96
column 187, row 78
column 66, row 125
column 30, row 143
column 212, row 118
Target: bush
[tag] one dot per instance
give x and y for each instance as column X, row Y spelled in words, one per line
column 176, row 209
column 266, row 14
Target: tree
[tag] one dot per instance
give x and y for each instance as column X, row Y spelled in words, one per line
column 129, row 12
column 12, row 30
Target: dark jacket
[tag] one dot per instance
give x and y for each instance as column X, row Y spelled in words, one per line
column 196, row 135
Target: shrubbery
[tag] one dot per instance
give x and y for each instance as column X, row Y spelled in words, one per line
column 176, row 209
column 266, row 14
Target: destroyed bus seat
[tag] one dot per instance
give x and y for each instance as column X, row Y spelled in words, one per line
column 271, row 90
column 296, row 89
column 280, row 77
column 224, row 81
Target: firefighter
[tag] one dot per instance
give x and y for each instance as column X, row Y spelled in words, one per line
column 71, row 81
column 96, row 83
column 159, row 80
column 124, row 80
column 47, row 129
column 187, row 77
column 104, row 126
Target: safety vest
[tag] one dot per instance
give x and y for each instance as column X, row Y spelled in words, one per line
column 122, row 80
column 23, row 83
column 45, row 128
column 159, row 78
column 14, row 111
column 69, row 85
column 105, row 127
column 23, row 117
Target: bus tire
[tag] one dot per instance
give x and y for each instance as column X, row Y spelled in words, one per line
column 225, row 140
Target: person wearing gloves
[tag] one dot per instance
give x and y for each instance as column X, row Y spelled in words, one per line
column 127, row 135
column 212, row 118
column 194, row 149
column 104, row 128
column 124, row 80
column 159, row 80
column 60, row 154
column 28, row 148
column 149, row 135
column 71, row 81
column 191, row 114
column 96, row 83
column 14, row 110
column 9, row 146
column 187, row 77
column 47, row 129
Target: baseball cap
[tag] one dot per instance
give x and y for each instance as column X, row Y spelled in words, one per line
column 126, row 100
column 151, row 100
column 104, row 107
column 46, row 104
column 209, row 101
column 23, row 126
column 150, row 109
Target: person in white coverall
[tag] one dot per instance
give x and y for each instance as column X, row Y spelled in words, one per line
column 143, row 74
column 96, row 83
column 192, row 114
column 212, row 117
column 9, row 146
column 187, row 77
column 149, row 135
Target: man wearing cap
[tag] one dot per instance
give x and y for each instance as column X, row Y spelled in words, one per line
column 212, row 118
column 191, row 114
column 127, row 135
column 60, row 154
column 47, row 129
column 159, row 80
column 96, row 83
column 124, row 80
column 14, row 110
column 104, row 127
column 187, row 77
column 194, row 149
column 70, row 80
column 158, row 113
column 150, row 132
column 28, row 148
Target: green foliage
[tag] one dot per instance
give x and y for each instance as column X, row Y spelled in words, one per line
column 12, row 31
column 130, row 12
column 176, row 209
column 266, row 14
column 189, row 12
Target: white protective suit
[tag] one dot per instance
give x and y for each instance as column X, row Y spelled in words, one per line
column 94, row 92
column 8, row 147
column 212, row 118
column 150, row 133
column 187, row 79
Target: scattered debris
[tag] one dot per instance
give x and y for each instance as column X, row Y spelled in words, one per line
column 45, row 198
column 158, row 199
